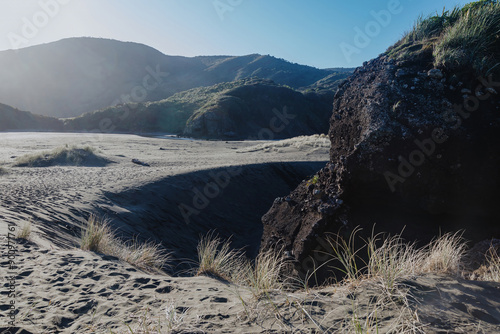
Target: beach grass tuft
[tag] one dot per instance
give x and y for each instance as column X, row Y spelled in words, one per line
column 64, row 155
column 217, row 259
column 97, row 236
column 25, row 231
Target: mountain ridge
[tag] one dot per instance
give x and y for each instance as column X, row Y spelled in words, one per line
column 85, row 74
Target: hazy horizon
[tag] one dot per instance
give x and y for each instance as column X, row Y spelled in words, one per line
column 323, row 34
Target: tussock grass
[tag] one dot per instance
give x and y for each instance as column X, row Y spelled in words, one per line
column 490, row 270
column 347, row 253
column 25, row 231
column 391, row 258
column 425, row 28
column 217, row 259
column 267, row 273
column 492, row 267
column 97, row 236
column 473, row 41
column 64, row 155
column 144, row 255
column 392, row 261
column 387, row 261
column 444, row 255
column 462, row 38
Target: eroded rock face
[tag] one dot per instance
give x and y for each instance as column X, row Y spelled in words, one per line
column 409, row 151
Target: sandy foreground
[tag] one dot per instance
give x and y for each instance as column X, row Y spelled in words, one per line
column 62, row 289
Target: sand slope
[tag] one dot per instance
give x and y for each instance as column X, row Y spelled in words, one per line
column 71, row 291
column 62, row 289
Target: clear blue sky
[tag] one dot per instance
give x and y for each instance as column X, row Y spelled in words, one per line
column 320, row 33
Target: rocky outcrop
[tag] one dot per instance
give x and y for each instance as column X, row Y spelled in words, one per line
column 413, row 148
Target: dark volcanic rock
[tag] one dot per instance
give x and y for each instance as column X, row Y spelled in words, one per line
column 407, row 150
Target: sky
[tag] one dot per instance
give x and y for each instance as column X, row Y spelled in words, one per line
column 319, row 33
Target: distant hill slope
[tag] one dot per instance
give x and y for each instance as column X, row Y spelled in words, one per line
column 78, row 75
column 14, row 119
column 235, row 110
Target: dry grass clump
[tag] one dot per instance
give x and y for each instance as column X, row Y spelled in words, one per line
column 217, row 259
column 387, row 261
column 444, row 255
column 390, row 259
column 64, row 155
column 266, row 274
column 318, row 141
column 490, row 270
column 98, row 237
column 25, row 231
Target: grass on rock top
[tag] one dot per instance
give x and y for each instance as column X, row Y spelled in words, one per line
column 462, row 38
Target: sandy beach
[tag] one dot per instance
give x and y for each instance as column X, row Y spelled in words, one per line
column 60, row 288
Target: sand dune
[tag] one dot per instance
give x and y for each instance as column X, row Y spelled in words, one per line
column 71, row 291
column 62, row 289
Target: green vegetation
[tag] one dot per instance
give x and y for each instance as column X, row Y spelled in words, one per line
column 313, row 180
column 65, row 155
column 97, row 236
column 14, row 119
column 238, row 109
column 462, row 38
column 169, row 115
